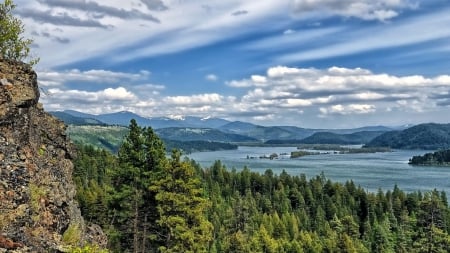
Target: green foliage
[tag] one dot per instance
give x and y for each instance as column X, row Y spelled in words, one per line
column 149, row 203
column 300, row 153
column 37, row 193
column 13, row 46
column 202, row 134
column 72, row 235
column 438, row 158
column 92, row 170
column 111, row 138
column 198, row 146
column 181, row 206
column 88, row 249
column 102, row 137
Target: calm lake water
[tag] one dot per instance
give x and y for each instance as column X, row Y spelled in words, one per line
column 371, row 171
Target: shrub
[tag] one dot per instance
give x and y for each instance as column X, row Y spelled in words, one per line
column 13, row 46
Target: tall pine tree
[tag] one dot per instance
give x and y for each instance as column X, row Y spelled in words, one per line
column 182, row 208
column 141, row 157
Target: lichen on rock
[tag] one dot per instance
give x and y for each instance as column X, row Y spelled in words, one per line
column 37, row 205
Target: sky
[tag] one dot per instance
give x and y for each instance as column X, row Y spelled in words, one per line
column 306, row 63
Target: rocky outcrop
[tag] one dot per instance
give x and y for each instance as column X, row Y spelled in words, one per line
column 37, row 208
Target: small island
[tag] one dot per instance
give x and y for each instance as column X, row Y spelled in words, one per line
column 438, row 158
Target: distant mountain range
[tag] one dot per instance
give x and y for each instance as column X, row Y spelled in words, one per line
column 188, row 128
column 214, row 131
column 201, row 134
column 123, row 119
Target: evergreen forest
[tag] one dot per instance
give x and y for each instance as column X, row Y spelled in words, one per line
column 147, row 201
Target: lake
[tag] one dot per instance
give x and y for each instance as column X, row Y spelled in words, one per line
column 371, row 171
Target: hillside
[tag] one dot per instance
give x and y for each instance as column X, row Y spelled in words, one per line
column 264, row 133
column 331, row 138
column 424, row 136
column 343, row 139
column 200, row 134
column 105, row 137
column 111, row 137
column 70, row 119
column 291, row 134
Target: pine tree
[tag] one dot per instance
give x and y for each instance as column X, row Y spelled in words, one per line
column 141, row 157
column 182, row 208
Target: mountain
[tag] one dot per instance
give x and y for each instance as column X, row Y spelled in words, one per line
column 332, row 138
column 208, row 122
column 252, row 131
column 111, row 137
column 74, row 120
column 361, row 129
column 423, row 136
column 123, row 119
column 238, row 127
column 266, row 133
column 200, row 134
column 343, row 139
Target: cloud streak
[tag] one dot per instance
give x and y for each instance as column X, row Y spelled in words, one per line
column 402, row 33
column 54, row 78
column 381, row 10
column 95, row 10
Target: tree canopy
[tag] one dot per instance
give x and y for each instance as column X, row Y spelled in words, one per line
column 148, row 202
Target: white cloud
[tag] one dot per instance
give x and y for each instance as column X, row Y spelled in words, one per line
column 119, row 93
column 211, row 77
column 381, row 10
column 282, row 95
column 348, row 109
column 288, row 32
column 108, row 94
column 194, row 100
column 338, row 91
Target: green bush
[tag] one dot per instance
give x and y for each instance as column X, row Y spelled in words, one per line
column 13, row 46
column 88, row 249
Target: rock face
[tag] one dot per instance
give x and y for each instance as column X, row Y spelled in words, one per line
column 37, row 208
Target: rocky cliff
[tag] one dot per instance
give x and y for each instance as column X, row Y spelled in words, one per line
column 37, row 208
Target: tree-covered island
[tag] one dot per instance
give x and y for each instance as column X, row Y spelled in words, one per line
column 438, row 158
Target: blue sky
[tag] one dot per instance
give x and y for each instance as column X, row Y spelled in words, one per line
column 308, row 63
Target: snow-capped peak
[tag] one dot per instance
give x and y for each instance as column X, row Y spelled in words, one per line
column 176, row 117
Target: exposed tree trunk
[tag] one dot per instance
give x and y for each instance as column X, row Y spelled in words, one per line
column 135, row 224
column 144, row 236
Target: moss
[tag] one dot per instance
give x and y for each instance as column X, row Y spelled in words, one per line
column 42, row 150
column 72, row 235
column 88, row 249
column 37, row 193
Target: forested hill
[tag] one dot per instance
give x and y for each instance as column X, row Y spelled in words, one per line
column 200, row 134
column 424, row 136
column 111, row 138
column 344, row 139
